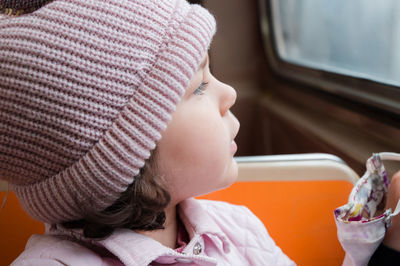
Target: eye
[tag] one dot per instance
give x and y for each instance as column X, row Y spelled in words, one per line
column 200, row 90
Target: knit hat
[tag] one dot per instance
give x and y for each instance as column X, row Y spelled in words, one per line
column 86, row 89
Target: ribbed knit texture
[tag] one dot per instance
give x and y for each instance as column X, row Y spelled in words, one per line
column 86, row 89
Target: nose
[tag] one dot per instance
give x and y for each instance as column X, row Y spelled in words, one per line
column 227, row 98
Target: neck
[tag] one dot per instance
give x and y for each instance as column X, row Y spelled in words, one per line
column 168, row 235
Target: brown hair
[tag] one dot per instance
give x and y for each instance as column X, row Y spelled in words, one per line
column 140, row 207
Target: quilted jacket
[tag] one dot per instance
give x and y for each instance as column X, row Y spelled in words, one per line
column 220, row 233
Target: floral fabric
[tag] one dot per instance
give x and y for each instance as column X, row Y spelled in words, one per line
column 363, row 221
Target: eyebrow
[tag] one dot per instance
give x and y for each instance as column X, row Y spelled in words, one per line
column 203, row 64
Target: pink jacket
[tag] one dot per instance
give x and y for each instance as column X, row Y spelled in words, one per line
column 220, row 233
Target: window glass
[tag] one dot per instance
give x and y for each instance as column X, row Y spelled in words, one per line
column 359, row 38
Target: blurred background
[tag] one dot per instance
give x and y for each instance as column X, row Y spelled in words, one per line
column 311, row 76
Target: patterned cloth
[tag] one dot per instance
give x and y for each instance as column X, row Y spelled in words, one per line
column 363, row 221
column 368, row 196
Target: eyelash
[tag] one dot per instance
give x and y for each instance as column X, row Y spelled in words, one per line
column 200, row 90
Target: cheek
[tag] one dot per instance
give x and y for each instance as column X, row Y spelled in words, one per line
column 197, row 157
column 202, row 146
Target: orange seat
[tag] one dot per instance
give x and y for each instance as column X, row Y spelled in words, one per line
column 16, row 227
column 295, row 196
column 297, row 214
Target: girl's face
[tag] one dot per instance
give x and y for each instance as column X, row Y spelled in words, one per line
column 195, row 153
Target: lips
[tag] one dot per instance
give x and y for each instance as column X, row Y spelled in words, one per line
column 233, row 144
column 233, row 147
column 236, row 126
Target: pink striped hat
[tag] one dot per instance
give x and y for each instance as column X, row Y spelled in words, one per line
column 86, row 88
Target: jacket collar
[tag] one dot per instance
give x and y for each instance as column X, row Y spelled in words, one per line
column 197, row 221
column 137, row 249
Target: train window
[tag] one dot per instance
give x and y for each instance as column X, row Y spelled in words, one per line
column 358, row 39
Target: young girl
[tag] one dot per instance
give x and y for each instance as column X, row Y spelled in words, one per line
column 110, row 123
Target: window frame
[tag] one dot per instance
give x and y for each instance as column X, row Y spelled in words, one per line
column 370, row 93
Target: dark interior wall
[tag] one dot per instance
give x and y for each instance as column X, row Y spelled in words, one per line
column 236, row 58
column 237, row 49
column 280, row 116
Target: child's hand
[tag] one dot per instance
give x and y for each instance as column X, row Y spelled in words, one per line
column 392, row 238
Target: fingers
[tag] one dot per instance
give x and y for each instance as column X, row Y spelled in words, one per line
column 394, row 191
column 392, row 238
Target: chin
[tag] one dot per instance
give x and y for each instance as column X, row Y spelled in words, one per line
column 231, row 175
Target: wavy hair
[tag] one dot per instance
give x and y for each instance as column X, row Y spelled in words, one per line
column 140, row 207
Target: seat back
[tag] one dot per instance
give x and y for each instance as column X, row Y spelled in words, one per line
column 295, row 196
column 16, row 226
